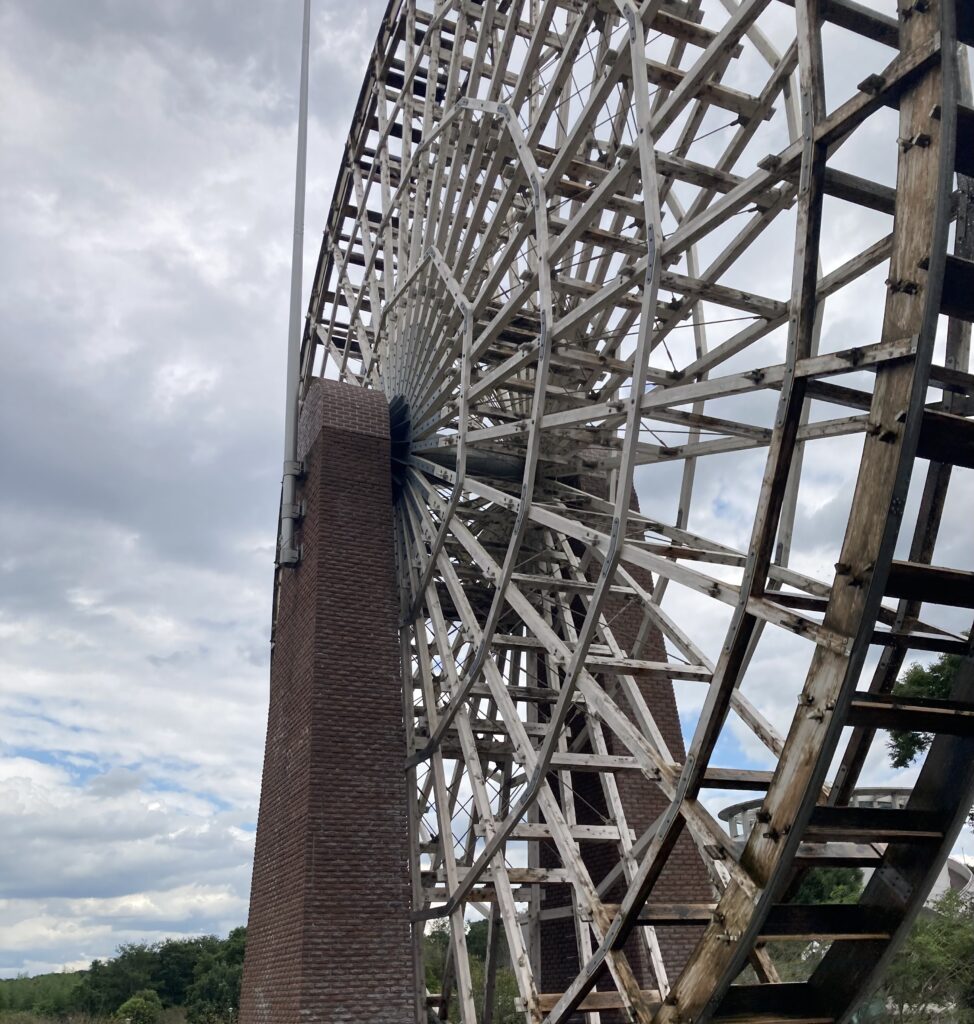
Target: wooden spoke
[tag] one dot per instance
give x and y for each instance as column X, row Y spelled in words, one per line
column 618, row 267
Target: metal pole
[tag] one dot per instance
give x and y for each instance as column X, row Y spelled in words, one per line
column 288, row 554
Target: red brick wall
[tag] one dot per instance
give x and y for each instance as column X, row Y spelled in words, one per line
column 328, row 935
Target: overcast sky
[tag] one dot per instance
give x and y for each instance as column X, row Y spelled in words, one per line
column 146, row 189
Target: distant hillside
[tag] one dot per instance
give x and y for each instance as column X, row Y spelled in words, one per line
column 42, row 994
column 195, row 980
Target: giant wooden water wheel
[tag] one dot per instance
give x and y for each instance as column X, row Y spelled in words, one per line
column 717, row 255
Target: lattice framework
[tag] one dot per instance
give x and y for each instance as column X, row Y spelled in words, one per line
column 549, row 245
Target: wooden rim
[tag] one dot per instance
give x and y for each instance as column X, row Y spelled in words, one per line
column 543, row 220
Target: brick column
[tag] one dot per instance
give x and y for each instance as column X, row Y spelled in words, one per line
column 328, row 936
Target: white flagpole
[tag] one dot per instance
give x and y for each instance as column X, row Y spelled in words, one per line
column 288, row 554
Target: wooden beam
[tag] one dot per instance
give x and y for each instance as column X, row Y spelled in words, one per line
column 872, row 824
column 580, row 833
column 964, row 157
column 658, row 913
column 824, row 922
column 635, row 667
column 862, row 20
column 947, row 439
column 918, row 641
column 918, row 582
column 958, row 294
column 837, row 855
column 737, row 778
column 861, row 191
column 965, row 21
column 594, row 762
column 784, row 1003
column 596, row 1001
column 911, row 714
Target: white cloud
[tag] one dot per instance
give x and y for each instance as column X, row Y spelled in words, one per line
column 147, row 174
column 93, row 860
column 146, row 207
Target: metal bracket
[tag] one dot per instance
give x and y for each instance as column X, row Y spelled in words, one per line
column 289, row 557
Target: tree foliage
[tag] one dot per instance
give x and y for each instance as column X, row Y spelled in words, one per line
column 215, row 992
column 177, row 964
column 829, row 885
column 932, row 976
column 934, row 682
column 145, row 1007
column 930, row 681
column 437, row 956
column 52, row 995
column 795, row 961
column 199, row 975
column 109, row 983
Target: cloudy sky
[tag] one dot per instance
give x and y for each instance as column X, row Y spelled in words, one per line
column 146, row 190
column 146, row 178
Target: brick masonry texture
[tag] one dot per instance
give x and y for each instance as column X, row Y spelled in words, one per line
column 328, row 935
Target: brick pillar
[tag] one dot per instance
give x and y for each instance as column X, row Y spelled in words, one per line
column 328, row 936
column 684, row 879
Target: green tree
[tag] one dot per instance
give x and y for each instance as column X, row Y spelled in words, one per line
column 931, row 977
column 829, row 885
column 58, row 1000
column 930, row 681
column 159, row 975
column 214, row 995
column 477, row 933
column 176, row 966
column 436, row 943
column 795, row 961
column 50, row 995
column 477, row 939
column 933, row 682
column 436, row 947
column 145, row 1007
column 109, row 983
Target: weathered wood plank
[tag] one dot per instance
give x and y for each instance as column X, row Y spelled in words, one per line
column 919, row 641
column 871, row 824
column 837, row 855
column 797, row 922
column 964, row 157
column 785, row 1003
column 580, row 833
column 657, row 913
column 860, row 19
column 965, row 21
column 594, row 762
column 933, row 583
column 737, row 778
column 911, row 714
column 958, row 294
column 596, row 1001
column 947, row 438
